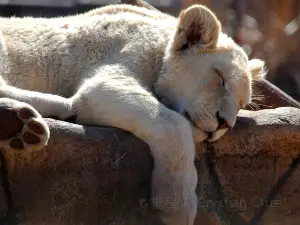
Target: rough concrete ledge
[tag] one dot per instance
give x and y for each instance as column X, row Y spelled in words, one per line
column 100, row 175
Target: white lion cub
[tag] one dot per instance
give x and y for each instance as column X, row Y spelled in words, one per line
column 164, row 79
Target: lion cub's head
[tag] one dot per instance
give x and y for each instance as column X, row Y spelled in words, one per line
column 205, row 75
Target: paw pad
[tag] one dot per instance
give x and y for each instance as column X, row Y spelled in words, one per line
column 16, row 144
column 21, row 128
column 36, row 127
column 30, row 138
column 26, row 113
column 10, row 124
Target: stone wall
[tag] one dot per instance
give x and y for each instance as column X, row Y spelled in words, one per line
column 100, row 175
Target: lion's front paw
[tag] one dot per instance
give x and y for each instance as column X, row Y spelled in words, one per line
column 174, row 195
column 21, row 126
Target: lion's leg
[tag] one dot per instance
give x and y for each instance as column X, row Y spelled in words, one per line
column 122, row 102
column 47, row 105
column 21, row 126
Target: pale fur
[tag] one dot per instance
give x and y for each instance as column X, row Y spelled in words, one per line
column 111, row 65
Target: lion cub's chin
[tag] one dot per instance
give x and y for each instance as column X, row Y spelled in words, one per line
column 216, row 135
column 200, row 135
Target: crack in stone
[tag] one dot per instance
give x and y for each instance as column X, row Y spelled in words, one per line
column 10, row 217
column 274, row 191
column 226, row 216
column 231, row 218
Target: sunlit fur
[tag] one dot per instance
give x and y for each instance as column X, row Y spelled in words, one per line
column 116, row 66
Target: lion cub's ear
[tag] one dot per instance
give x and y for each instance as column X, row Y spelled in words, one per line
column 257, row 69
column 197, row 25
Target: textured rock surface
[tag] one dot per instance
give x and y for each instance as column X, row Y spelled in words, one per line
column 100, row 175
column 270, row 97
column 3, row 204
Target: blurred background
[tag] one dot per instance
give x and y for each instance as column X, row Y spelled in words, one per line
column 267, row 29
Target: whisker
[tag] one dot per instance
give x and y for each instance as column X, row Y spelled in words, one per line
column 254, row 106
column 251, row 107
column 267, row 106
column 258, row 95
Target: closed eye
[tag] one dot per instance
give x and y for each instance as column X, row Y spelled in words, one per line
column 222, row 78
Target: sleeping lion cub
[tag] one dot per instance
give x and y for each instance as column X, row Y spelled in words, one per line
column 169, row 81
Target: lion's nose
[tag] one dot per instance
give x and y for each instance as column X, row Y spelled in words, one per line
column 222, row 122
